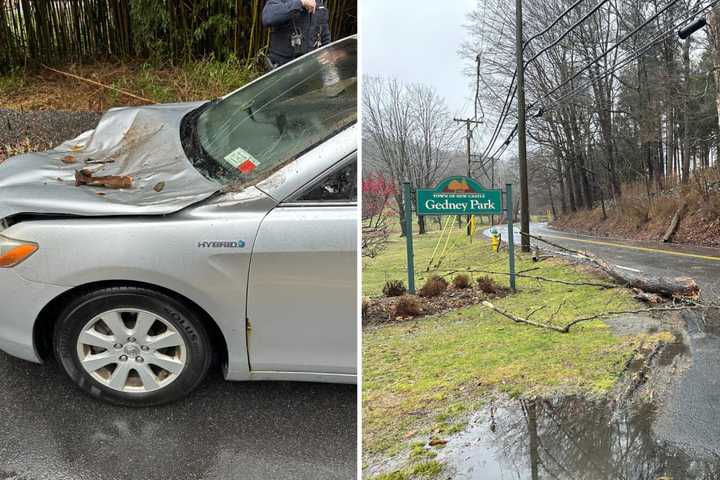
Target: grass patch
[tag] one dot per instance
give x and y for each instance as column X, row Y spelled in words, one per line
column 41, row 89
column 428, row 469
column 422, row 378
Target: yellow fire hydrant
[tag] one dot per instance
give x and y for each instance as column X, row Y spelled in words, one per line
column 495, row 239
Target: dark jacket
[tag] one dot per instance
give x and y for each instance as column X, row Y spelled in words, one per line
column 288, row 16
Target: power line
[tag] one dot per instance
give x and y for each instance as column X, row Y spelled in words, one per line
column 508, row 100
column 567, row 32
column 630, row 57
column 609, row 50
column 554, row 22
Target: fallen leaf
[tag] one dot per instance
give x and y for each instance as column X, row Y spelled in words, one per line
column 69, row 159
column 159, row 187
column 435, row 442
column 410, row 434
column 77, row 148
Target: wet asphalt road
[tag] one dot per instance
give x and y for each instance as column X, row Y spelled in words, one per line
column 689, row 417
column 224, row 430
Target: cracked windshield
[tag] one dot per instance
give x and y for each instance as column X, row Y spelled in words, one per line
column 255, row 131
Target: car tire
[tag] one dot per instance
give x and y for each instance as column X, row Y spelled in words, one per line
column 99, row 327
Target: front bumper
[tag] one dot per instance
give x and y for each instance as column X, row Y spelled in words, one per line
column 20, row 304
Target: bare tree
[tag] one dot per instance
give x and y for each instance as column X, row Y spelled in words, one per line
column 387, row 125
column 411, row 132
column 434, row 136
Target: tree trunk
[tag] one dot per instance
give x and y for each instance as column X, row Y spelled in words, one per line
column 714, row 37
column 421, row 224
column 686, row 113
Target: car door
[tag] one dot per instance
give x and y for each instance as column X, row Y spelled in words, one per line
column 302, row 292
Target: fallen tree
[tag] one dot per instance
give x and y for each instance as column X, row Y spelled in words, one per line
column 674, row 223
column 668, row 287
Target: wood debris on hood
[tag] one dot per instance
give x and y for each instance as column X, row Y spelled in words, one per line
column 85, row 177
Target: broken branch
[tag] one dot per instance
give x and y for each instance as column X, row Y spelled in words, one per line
column 521, row 320
column 537, row 277
column 566, row 328
column 93, row 82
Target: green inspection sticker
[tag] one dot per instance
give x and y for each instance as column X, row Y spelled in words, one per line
column 239, row 156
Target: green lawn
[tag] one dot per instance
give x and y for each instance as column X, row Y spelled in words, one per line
column 421, row 378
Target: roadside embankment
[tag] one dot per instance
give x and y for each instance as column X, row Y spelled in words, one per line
column 686, row 214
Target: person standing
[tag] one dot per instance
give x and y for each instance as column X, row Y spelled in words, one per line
column 298, row 27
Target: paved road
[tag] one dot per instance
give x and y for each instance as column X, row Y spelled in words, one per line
column 690, row 416
column 224, row 430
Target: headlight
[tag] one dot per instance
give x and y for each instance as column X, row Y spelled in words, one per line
column 13, row 252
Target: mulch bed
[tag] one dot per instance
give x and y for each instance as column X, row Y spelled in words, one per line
column 381, row 309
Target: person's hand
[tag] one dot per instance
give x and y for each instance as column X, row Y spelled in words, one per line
column 309, row 5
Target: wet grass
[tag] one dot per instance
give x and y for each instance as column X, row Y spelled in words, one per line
column 421, row 378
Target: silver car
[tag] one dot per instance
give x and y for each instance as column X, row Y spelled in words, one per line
column 177, row 238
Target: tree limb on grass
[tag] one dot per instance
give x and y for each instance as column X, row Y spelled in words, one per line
column 542, row 279
column 521, row 320
column 93, row 82
column 567, row 327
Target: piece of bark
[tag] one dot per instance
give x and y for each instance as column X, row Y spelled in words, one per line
column 674, row 223
column 85, row 177
column 647, row 297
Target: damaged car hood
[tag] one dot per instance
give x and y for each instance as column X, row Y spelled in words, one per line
column 142, row 143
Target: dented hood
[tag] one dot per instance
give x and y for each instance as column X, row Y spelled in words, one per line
column 140, row 142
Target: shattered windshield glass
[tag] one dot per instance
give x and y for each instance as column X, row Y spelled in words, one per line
column 251, row 133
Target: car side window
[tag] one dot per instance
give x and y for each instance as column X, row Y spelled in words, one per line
column 339, row 186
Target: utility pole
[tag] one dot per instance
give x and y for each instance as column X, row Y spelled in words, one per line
column 468, row 137
column 522, row 146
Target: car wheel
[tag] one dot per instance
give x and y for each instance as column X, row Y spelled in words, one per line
column 132, row 346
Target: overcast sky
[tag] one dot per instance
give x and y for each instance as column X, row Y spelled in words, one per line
column 418, row 41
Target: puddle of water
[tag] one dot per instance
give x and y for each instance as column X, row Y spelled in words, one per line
column 569, row 439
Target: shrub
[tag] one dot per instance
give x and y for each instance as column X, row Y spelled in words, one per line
column 433, row 287
column 394, row 288
column 487, row 285
column 461, row 280
column 408, row 306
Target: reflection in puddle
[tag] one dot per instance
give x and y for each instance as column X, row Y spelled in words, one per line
column 569, row 439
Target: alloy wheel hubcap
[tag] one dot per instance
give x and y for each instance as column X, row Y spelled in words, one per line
column 131, row 350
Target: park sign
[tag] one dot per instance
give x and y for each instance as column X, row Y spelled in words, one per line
column 458, row 196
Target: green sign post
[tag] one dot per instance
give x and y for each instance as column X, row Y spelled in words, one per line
column 457, row 196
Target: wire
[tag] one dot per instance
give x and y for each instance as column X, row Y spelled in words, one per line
column 567, row 32
column 554, row 22
column 512, row 88
column 630, row 57
column 609, row 50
